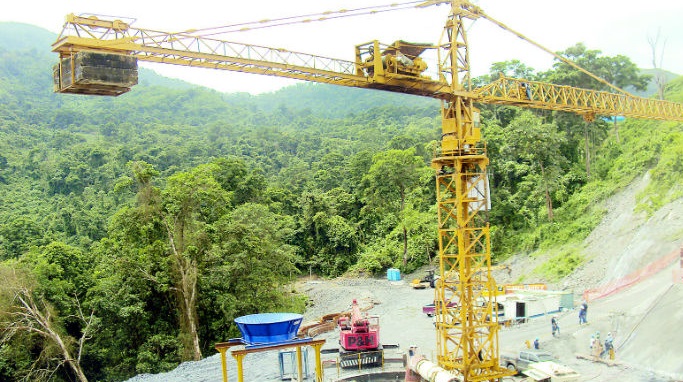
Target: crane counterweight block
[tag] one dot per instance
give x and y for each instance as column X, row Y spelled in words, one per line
column 95, row 74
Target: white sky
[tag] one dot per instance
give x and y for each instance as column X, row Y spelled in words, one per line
column 611, row 26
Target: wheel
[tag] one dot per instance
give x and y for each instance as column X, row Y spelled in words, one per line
column 511, row 367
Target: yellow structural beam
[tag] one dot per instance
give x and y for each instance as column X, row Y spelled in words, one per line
column 242, row 352
column 541, row 95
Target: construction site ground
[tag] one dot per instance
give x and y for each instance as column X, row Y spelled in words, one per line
column 644, row 317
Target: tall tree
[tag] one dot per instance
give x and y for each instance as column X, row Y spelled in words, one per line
column 392, row 178
column 191, row 202
column 657, row 61
column 537, row 143
column 619, row 71
column 181, row 215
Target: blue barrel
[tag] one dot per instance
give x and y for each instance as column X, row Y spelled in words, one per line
column 264, row 328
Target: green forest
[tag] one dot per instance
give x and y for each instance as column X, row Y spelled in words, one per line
column 133, row 230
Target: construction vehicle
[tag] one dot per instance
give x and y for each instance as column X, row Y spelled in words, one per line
column 462, row 189
column 427, row 281
column 521, row 360
column 359, row 339
column 430, row 309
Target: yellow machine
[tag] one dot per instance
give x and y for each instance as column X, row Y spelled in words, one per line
column 469, row 348
column 428, row 280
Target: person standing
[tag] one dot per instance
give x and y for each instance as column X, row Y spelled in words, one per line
column 609, row 346
column 555, row 326
column 597, row 346
column 583, row 310
column 537, row 343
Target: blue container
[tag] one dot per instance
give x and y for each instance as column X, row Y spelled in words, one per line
column 393, row 274
column 265, row 328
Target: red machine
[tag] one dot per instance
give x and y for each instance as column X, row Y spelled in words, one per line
column 359, row 332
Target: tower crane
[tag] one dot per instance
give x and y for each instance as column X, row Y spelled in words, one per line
column 467, row 342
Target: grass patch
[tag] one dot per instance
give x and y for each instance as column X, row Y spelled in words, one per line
column 560, row 265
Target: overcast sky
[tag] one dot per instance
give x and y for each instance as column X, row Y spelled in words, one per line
column 611, row 26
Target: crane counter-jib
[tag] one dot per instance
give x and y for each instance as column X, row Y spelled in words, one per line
column 259, row 60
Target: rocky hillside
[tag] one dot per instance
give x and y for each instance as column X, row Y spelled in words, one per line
column 625, row 242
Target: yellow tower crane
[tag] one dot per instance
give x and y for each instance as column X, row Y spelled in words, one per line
column 467, row 339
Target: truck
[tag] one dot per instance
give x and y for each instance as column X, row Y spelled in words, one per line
column 430, row 309
column 539, row 366
column 524, row 358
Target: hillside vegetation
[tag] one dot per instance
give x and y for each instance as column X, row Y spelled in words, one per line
column 133, row 230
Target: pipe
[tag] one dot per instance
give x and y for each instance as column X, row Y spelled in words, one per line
column 432, row 372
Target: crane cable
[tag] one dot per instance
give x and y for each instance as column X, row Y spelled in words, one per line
column 559, row 57
column 302, row 19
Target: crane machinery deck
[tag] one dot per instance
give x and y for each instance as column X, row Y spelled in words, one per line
column 467, row 342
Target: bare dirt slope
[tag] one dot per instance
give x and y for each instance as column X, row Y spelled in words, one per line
column 625, row 241
column 644, row 316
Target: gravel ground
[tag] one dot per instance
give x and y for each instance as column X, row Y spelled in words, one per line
column 403, row 323
column 398, row 305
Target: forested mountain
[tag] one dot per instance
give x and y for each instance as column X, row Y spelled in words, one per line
column 133, row 230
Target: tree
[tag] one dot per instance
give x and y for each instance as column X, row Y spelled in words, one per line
column 19, row 234
column 536, row 143
column 234, row 176
column 25, row 312
column 256, row 257
column 327, row 234
column 392, row 178
column 660, row 78
column 619, row 71
column 169, row 231
column 191, row 202
column 138, row 331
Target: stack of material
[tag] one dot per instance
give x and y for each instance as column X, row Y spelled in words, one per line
column 95, row 74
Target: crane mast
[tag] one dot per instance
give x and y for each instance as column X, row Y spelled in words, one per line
column 466, row 331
